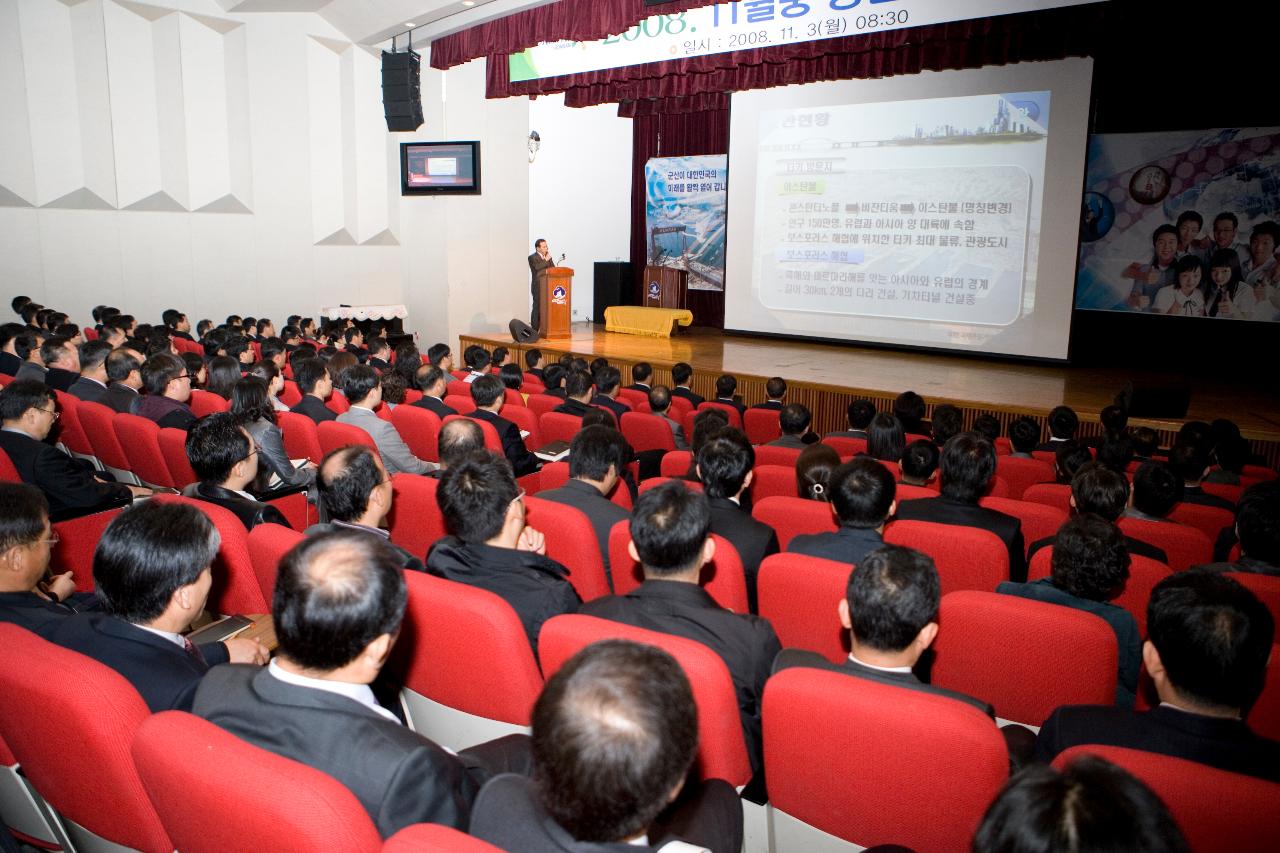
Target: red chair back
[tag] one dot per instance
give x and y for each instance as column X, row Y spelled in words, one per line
column 786, row 456
column 415, row 521
column 140, row 439
column 173, row 447
column 206, row 403
column 722, row 750
column 906, row 492
column 555, row 474
column 632, row 397
column 8, row 473
column 267, row 544
column 675, row 463
column 723, row 578
column 337, row 403
column 1224, row 490
column 1266, row 587
column 78, row 539
column 654, row 482
column 434, row 838
column 207, row 812
column 525, row 421
column 1215, row 810
column 1024, row 657
column 1264, row 717
column 235, row 584
column 512, row 397
column 679, row 408
column 1038, row 520
column 761, row 425
column 464, row 647
column 966, row 557
column 1056, row 495
column 846, row 446
column 1184, row 546
column 333, row 435
column 1258, row 473
column 69, row 720
column 540, row 404
column 773, row 481
column 647, row 432
column 791, row 516
column 571, row 542
column 1020, row 473
column 799, row 595
column 1144, row 574
column 420, row 429
column 458, row 388
column 881, row 742
column 300, row 435
column 731, row 412
column 72, row 433
column 291, row 395
column 1209, row 520
column 461, row 405
column 557, row 426
column 98, row 422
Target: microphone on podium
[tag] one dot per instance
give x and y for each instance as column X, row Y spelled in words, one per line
column 562, row 257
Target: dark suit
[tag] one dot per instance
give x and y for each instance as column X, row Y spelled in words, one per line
column 28, row 610
column 742, row 410
column 88, row 390
column 314, row 408
column 522, row 460
column 846, row 545
column 379, row 364
column 164, row 674
column 789, row 658
column 790, row 442
column 599, row 510
column 407, row 559
column 9, row 363
column 59, row 379
column 166, row 412
column 570, row 406
column 693, row 398
column 536, row 373
column 769, row 405
column 537, row 275
column 122, row 398
column 1136, row 547
column 250, row 512
column 944, row 510
column 747, row 644
column 1244, row 564
column 68, row 483
column 641, row 387
column 606, row 402
column 1225, row 744
column 849, row 433
column 753, row 540
column 436, row 406
column 399, row 776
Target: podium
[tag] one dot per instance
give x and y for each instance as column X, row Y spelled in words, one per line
column 555, row 298
column 664, row 287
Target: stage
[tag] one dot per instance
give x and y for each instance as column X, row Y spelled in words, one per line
column 826, row 377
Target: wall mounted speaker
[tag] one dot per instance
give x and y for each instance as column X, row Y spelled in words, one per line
column 402, row 90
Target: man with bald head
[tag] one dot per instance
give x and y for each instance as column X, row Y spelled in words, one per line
column 338, row 605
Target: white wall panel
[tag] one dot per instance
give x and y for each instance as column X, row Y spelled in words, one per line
column 52, row 109
column 17, row 169
column 204, row 98
column 135, row 122
column 369, row 145
column 93, row 99
column 166, row 34
column 324, row 119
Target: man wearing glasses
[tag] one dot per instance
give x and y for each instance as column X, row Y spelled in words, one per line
column 225, row 459
column 168, row 386
column 28, row 411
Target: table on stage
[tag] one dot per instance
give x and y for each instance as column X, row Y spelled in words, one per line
column 650, row 322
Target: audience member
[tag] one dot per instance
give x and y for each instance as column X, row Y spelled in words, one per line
column 660, row 405
column 682, row 374
column 947, row 421
column 379, row 354
column 512, row 377
column 458, row 439
column 91, row 385
column 168, row 389
column 597, row 457
column 987, row 426
column 27, row 346
column 1156, row 491
column 1258, row 528
column 794, row 420
column 534, row 363
column 724, row 467
column 312, row 376
column 1068, row 458
column 886, row 438
column 1146, row 443
column 775, row 390
column 363, row 388
column 859, row 414
column 726, row 390
column 553, row 378
column 489, row 395
column 251, row 408
column 919, row 463
column 1099, row 490
column 441, row 356
column 9, row 360
column 63, row 362
column 577, row 394
column 477, row 359
column 1024, row 438
column 706, row 424
column 356, row 493
column 909, row 408
column 608, row 380
column 224, row 373
column 433, row 381
column 1191, row 463
column 862, row 500
column 641, row 377
column 1116, row 453
column 31, row 596
column 1063, row 423
column 225, row 460
column 124, row 370
column 814, row 466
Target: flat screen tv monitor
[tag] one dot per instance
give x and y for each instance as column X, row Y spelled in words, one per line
column 433, row 168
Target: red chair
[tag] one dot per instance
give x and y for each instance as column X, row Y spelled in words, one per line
column 799, row 595
column 90, row 333
column 1266, row 587
column 1024, row 657
column 78, row 539
column 415, row 521
column 680, row 407
column 468, row 672
column 1003, row 446
column 461, row 405
column 458, row 388
column 173, row 447
column 1215, row 810
column 256, row 800
column 300, row 435
column 540, row 404
column 855, row 759
column 526, row 421
column 235, row 584
column 71, row 434
column 846, row 446
column 512, row 397
column 23, row 810
column 420, row 429
column 777, row 456
column 723, row 578
column 1020, row 473
column 383, row 411
column 206, row 403
column 735, row 419
column 633, row 398
column 558, row 426
column 267, row 544
column 333, row 435
column 337, row 403
column 1209, row 520
column 1264, row 717
column 291, row 395
column 555, row 474
column 412, row 395
column 1038, row 520
column 647, row 432
column 571, row 542
column 906, row 492
column 140, row 439
column 99, row 425
column 434, row 838
column 997, row 488
column 790, row 517
column 773, row 481
column 1144, row 574
column 69, row 721
column 722, row 750
column 1056, row 495
column 8, row 473
column 966, row 557
column 1224, row 490
column 675, row 463
column 1184, row 546
column 1258, row 473
column 761, row 425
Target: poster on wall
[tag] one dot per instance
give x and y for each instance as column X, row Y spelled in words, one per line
column 685, row 216
column 1182, row 223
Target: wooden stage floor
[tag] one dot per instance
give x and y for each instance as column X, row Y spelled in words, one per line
column 836, row 374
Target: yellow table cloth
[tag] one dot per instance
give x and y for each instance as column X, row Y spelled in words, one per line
column 650, row 322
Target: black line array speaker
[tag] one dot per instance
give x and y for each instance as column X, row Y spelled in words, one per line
column 613, row 286
column 402, row 90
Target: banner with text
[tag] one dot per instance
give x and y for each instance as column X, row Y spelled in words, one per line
column 727, row 27
column 685, row 216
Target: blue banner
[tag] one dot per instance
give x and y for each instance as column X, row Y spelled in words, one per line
column 685, row 201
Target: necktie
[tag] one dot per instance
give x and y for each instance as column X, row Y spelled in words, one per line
column 193, row 651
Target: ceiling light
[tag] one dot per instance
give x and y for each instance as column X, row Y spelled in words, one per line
column 408, row 23
column 468, row 2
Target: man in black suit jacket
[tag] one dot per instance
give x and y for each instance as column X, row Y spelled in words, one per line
column 338, row 608
column 726, row 387
column 63, row 362
column 91, row 385
column 1259, row 536
column 612, row 783
column 1100, row 491
column 312, row 376
column 641, row 377
column 168, row 385
column 489, row 394
column 9, row 360
column 1209, row 642
column 608, row 380
column 152, row 572
column 724, row 466
column 861, row 492
column 968, row 463
column 775, row 389
column 670, row 533
column 539, row 262
column 124, row 375
column 28, row 411
column 1191, row 463
column 534, row 363
column 794, row 420
column 577, row 394
column 433, row 381
column 597, row 455
column 225, row 459
column 681, row 373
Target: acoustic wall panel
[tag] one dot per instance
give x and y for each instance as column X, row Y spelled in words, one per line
column 17, row 168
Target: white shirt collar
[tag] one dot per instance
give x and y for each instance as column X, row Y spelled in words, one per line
column 356, row 692
column 176, row 639
column 880, row 668
column 91, row 379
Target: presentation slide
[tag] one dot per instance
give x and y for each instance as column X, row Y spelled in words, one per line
column 934, row 210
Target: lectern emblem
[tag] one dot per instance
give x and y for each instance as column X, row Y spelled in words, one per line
column 654, row 290
column 558, row 294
